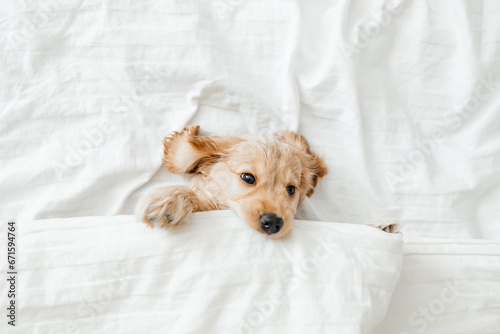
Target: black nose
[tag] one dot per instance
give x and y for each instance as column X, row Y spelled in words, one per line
column 270, row 223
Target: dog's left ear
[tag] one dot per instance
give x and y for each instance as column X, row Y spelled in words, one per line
column 186, row 152
column 313, row 166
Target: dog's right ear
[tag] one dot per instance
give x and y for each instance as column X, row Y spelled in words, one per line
column 186, row 152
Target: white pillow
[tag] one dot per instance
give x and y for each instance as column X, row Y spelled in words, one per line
column 212, row 275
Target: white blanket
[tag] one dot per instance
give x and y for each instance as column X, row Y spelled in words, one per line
column 400, row 97
column 211, row 275
column 216, row 275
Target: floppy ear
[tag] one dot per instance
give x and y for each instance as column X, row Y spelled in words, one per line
column 186, row 152
column 313, row 166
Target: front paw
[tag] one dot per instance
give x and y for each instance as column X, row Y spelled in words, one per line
column 389, row 225
column 154, row 218
column 167, row 207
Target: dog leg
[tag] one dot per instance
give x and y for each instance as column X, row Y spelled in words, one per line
column 389, row 225
column 168, row 206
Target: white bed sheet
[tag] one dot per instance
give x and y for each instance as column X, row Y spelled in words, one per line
column 399, row 96
column 446, row 286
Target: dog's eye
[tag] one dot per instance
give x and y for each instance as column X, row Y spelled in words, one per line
column 290, row 190
column 248, row 178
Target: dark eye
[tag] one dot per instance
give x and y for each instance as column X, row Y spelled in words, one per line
column 290, row 190
column 248, row 178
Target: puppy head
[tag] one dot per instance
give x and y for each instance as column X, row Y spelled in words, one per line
column 262, row 178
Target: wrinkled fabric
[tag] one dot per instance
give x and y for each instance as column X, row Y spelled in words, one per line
column 446, row 286
column 400, row 97
column 212, row 275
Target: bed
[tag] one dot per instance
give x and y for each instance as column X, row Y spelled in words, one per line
column 400, row 97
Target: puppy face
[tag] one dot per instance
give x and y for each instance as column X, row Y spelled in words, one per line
column 263, row 178
column 264, row 185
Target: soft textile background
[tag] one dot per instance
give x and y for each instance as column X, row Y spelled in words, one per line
column 401, row 98
column 446, row 287
column 212, row 275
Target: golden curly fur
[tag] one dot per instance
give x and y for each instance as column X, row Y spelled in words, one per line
column 217, row 163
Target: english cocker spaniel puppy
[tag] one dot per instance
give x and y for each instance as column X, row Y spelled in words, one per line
column 262, row 178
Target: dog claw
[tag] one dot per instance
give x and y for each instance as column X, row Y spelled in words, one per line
column 390, row 225
column 391, row 228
